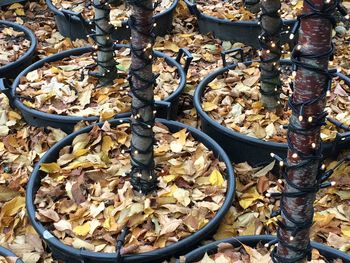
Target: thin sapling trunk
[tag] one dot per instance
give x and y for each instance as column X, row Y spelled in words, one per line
column 142, row 81
column 106, row 63
column 271, row 25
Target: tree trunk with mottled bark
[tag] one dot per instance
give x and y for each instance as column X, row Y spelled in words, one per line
column 107, row 66
column 271, row 25
column 142, row 81
column 314, row 39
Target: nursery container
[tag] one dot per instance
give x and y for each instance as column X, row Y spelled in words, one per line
column 246, row 32
column 10, row 2
column 72, row 255
column 166, row 108
column 11, row 70
column 242, row 148
column 72, row 24
column 7, row 253
column 211, row 248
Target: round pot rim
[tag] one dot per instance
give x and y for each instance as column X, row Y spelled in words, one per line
column 68, row 119
column 227, row 21
column 54, row 241
column 8, row 253
column 265, row 239
column 230, row 132
column 56, row 11
column 29, row 35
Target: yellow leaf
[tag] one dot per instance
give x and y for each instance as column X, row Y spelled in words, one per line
column 107, row 114
column 14, row 115
column 20, row 12
column 107, row 144
column 12, row 207
column 216, row 178
column 169, row 178
column 15, row 6
column 181, row 136
column 107, row 223
column 50, row 167
column 345, row 230
column 208, row 106
column 216, row 84
column 249, row 197
column 82, row 230
column 81, row 152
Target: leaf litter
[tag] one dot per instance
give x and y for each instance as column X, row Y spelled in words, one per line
column 65, row 88
column 331, row 227
column 118, row 14
column 235, row 10
column 13, row 45
column 234, row 100
column 86, row 198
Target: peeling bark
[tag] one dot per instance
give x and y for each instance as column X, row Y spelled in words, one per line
column 271, row 53
column 314, row 38
column 142, row 41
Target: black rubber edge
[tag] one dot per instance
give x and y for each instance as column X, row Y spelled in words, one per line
column 72, row 255
column 74, row 28
column 11, row 70
column 167, row 107
column 9, row 2
column 196, row 255
column 246, row 32
column 7, row 253
column 242, row 148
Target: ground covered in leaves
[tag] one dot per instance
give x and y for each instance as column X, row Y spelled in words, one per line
column 234, row 10
column 13, row 45
column 118, row 14
column 233, row 99
column 88, row 199
column 21, row 145
column 64, row 87
column 226, row 253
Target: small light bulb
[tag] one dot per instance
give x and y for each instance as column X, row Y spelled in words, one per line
column 291, row 36
column 294, row 155
column 300, row 118
column 313, row 145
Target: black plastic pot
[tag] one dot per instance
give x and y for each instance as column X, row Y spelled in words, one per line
column 246, row 32
column 10, row 2
column 166, row 108
column 11, row 70
column 73, row 25
column 72, row 255
column 7, row 253
column 242, row 148
column 196, row 255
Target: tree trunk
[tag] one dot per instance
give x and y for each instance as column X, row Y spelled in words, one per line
column 252, row 5
column 271, row 25
column 107, row 66
column 304, row 136
column 142, row 83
